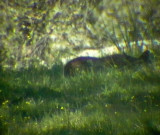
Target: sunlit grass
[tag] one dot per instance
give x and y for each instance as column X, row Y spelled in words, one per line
column 112, row 102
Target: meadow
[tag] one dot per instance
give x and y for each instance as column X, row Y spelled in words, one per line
column 35, row 96
column 41, row 101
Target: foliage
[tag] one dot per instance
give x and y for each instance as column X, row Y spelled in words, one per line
column 33, row 30
column 150, row 16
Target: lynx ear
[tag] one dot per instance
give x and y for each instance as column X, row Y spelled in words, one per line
column 145, row 56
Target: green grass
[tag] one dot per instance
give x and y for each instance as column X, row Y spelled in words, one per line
column 114, row 102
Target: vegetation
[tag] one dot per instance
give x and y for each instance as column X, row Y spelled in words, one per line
column 38, row 101
column 35, row 96
column 42, row 32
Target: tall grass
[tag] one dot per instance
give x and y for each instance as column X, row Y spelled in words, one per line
column 112, row 102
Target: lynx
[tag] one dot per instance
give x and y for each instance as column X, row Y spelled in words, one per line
column 95, row 64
